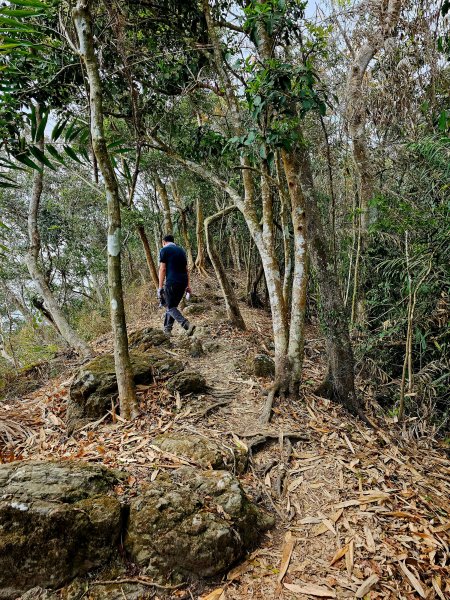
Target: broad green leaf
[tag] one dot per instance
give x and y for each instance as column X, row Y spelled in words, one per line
column 37, row 153
column 5, row 184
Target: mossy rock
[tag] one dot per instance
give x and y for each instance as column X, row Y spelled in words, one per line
column 190, row 522
column 147, row 338
column 187, row 382
column 263, row 366
column 194, row 309
column 57, row 521
column 95, row 386
column 207, row 453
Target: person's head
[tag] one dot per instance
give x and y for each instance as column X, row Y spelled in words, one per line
column 168, row 239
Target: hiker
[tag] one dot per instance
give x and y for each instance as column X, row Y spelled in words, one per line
column 173, row 283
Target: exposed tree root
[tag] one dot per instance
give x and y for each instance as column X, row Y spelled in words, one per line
column 262, row 438
column 285, row 451
column 267, row 410
column 136, row 580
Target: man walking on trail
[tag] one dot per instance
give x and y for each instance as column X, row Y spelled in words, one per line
column 173, row 270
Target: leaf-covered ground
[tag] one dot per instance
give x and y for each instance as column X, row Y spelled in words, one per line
column 360, row 513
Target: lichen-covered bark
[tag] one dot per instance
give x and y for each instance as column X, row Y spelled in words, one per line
column 127, row 395
column 300, row 276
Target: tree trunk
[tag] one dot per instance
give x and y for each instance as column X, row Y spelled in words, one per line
column 124, row 372
column 284, row 216
column 339, row 383
column 184, row 227
column 164, row 197
column 32, row 262
column 356, row 115
column 231, row 302
column 148, row 256
column 200, row 260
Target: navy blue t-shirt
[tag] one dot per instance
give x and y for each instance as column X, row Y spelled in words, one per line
column 175, row 260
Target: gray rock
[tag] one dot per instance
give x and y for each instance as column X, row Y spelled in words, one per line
column 95, row 386
column 57, row 521
column 188, row 382
column 263, row 366
column 192, row 522
column 207, row 453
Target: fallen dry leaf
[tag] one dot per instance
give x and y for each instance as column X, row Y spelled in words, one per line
column 366, row 586
column 217, row 594
column 288, row 547
column 311, row 589
column 339, row 554
column 413, row 580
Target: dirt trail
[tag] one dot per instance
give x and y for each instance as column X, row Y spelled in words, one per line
column 360, row 513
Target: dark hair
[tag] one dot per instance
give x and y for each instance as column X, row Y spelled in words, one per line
column 168, row 238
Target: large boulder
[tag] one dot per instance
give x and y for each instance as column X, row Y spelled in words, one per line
column 192, row 522
column 57, row 521
column 94, row 387
column 187, row 382
column 147, row 338
column 205, row 452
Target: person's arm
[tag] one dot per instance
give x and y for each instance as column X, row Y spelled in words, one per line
column 162, row 274
column 188, row 287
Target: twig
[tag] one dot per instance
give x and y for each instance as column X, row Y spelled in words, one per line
column 202, row 413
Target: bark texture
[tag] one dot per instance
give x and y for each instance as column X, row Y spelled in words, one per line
column 148, row 256
column 124, row 373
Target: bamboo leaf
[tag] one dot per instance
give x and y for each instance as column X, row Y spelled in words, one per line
column 41, row 129
column 72, row 154
column 37, row 153
column 58, row 129
column 54, row 152
column 25, row 160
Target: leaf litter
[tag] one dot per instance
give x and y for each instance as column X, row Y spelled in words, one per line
column 360, row 513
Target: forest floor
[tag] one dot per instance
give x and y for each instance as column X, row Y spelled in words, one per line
column 360, row 513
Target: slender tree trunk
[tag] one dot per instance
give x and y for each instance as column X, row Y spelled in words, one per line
column 231, row 302
column 388, row 14
column 124, row 372
column 339, row 383
column 200, row 260
column 148, row 256
column 184, row 227
column 164, row 197
column 32, row 262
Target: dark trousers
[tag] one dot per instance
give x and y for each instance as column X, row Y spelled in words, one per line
column 174, row 292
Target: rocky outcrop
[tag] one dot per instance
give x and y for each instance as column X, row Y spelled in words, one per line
column 192, row 522
column 95, row 386
column 205, row 452
column 57, row 521
column 187, row 382
column 263, row 366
